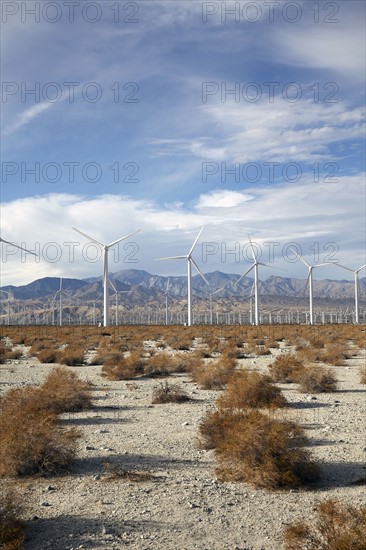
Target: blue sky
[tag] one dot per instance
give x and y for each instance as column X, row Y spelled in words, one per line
column 146, row 136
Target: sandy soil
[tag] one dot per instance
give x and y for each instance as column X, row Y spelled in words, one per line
column 182, row 506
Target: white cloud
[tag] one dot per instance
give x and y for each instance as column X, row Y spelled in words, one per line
column 26, row 117
column 314, row 215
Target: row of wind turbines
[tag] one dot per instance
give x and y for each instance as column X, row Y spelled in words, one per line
column 191, row 262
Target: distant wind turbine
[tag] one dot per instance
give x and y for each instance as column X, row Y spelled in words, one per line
column 210, row 294
column 105, row 248
column 254, row 265
column 355, row 273
column 166, row 300
column 190, row 261
column 310, row 281
column 116, row 292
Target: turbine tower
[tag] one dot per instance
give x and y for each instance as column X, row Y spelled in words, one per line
column 355, row 274
column 116, row 292
column 190, row 261
column 166, row 301
column 105, row 248
column 310, row 281
column 254, row 265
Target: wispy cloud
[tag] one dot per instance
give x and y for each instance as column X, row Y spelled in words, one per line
column 26, row 117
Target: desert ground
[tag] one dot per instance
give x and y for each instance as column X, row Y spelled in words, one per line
column 141, row 478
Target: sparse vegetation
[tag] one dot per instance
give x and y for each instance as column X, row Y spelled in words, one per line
column 317, row 380
column 12, row 529
column 286, row 368
column 169, row 393
column 254, row 448
column 248, row 389
column 338, row 527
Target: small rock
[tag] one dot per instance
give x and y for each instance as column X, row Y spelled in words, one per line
column 96, row 477
column 89, row 448
column 45, row 503
column 185, row 424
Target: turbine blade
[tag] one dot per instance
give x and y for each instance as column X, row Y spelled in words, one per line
column 123, row 238
column 252, row 249
column 195, row 241
column 359, row 269
column 17, row 246
column 300, row 257
column 245, row 273
column 307, row 281
column 219, row 290
column 348, row 268
column 325, row 263
column 199, row 271
column 172, row 258
column 112, row 285
column 88, row 237
column 167, row 286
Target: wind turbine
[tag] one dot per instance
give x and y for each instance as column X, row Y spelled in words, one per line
column 310, row 281
column 254, row 265
column 355, row 273
column 105, row 248
column 190, row 261
column 210, row 294
column 116, row 292
column 166, row 300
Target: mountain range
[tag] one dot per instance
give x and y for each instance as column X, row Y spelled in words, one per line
column 140, row 287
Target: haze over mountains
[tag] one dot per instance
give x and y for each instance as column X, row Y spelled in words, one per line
column 143, row 287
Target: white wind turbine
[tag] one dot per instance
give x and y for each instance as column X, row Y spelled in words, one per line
column 254, row 265
column 210, row 294
column 105, row 248
column 355, row 274
column 166, row 300
column 310, row 281
column 116, row 292
column 190, row 261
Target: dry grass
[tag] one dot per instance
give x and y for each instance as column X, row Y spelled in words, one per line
column 31, row 440
column 169, row 393
column 214, row 374
column 286, row 368
column 317, row 380
column 247, row 389
column 160, row 364
column 12, row 529
column 47, row 356
column 63, row 392
column 338, row 527
column 113, row 473
column 124, row 368
column 71, row 356
column 253, row 448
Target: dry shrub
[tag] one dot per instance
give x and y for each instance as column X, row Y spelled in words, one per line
column 338, row 527
column 71, row 356
column 169, row 393
column 247, row 389
column 253, row 448
column 114, row 472
column 6, row 353
column 12, row 531
column 214, row 425
column 336, row 354
column 124, row 368
column 317, row 380
column 213, row 375
column 31, row 440
column 161, row 364
column 48, row 356
column 286, row 368
column 63, row 391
